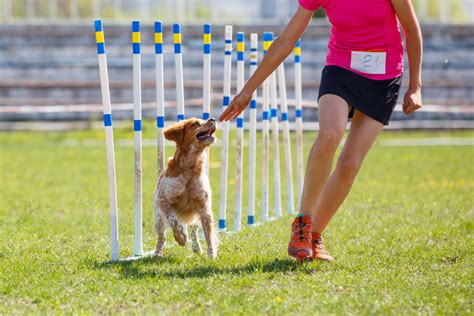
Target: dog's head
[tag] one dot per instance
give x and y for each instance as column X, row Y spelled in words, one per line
column 192, row 132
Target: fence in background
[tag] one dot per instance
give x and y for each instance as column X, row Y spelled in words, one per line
column 193, row 11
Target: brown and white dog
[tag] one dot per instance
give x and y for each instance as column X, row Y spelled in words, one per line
column 183, row 194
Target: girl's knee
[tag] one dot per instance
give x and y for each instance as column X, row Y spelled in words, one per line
column 348, row 167
column 329, row 140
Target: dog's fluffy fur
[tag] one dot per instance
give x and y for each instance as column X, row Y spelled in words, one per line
column 183, row 194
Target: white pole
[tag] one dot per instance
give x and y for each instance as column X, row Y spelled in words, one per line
column 276, row 143
column 206, row 82
column 74, row 9
column 252, row 133
column 180, row 11
column 7, row 10
column 444, row 11
column 53, row 9
column 31, row 9
column 299, row 118
column 240, row 134
column 97, row 8
column 170, row 12
column 225, row 128
column 267, row 41
column 286, row 137
column 137, row 136
column 160, row 96
column 178, row 63
column 109, row 140
column 422, row 10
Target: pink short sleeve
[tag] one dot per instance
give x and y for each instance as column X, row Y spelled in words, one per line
column 310, row 5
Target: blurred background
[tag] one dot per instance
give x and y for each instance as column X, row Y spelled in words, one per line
column 49, row 75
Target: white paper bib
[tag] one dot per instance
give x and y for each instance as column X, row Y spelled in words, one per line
column 369, row 62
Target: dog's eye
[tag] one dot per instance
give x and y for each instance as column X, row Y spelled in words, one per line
column 196, row 124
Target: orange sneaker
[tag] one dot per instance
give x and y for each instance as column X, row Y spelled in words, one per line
column 299, row 246
column 319, row 251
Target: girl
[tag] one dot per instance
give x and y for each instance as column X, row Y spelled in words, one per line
column 361, row 80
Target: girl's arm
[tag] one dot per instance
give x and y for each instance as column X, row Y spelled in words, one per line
column 277, row 52
column 413, row 40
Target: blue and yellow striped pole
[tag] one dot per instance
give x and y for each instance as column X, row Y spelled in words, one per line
column 206, row 80
column 275, row 139
column 267, row 40
column 160, row 95
column 240, row 133
column 178, row 59
column 252, row 133
column 286, row 138
column 109, row 140
column 225, row 128
column 299, row 118
column 206, row 47
column 137, row 137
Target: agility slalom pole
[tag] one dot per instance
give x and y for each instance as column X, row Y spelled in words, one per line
column 252, row 133
column 109, row 140
column 299, row 118
column 225, row 128
column 239, row 164
column 137, row 137
column 286, row 137
column 206, row 82
column 207, row 39
column 267, row 37
column 178, row 64
column 276, row 143
column 160, row 96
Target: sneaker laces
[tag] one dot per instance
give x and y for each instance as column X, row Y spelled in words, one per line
column 318, row 243
column 300, row 231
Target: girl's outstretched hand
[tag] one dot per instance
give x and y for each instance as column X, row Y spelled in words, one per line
column 412, row 101
column 238, row 104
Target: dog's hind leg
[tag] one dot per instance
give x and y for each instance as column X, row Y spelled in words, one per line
column 160, row 227
column 207, row 227
column 196, row 246
column 179, row 231
column 160, row 231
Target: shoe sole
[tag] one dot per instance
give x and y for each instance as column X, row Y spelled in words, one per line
column 299, row 255
column 323, row 258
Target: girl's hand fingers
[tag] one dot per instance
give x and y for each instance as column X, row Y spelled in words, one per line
column 236, row 113
column 238, row 104
column 412, row 102
column 408, row 108
column 226, row 115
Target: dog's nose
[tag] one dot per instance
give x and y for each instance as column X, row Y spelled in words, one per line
column 212, row 119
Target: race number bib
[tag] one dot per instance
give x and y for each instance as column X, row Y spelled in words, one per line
column 369, row 62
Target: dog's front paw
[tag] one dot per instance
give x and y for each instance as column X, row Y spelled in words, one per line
column 158, row 254
column 212, row 253
column 180, row 235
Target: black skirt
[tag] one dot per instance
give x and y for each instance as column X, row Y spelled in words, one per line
column 374, row 98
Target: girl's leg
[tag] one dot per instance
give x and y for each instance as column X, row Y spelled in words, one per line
column 332, row 113
column 363, row 132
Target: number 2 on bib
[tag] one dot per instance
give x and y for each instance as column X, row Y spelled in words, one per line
column 369, row 62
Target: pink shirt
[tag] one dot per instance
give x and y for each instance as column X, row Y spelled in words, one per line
column 365, row 36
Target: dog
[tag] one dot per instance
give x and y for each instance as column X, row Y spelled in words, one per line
column 183, row 194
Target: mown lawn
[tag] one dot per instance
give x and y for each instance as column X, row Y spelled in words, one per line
column 403, row 240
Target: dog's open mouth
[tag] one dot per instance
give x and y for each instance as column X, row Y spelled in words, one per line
column 206, row 134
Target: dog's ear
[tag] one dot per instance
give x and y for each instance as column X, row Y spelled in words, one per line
column 175, row 133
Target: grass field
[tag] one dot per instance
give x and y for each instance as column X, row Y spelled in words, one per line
column 403, row 241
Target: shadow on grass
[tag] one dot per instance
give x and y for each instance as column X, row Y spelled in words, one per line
column 172, row 267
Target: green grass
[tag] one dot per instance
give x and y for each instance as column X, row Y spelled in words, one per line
column 403, row 240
